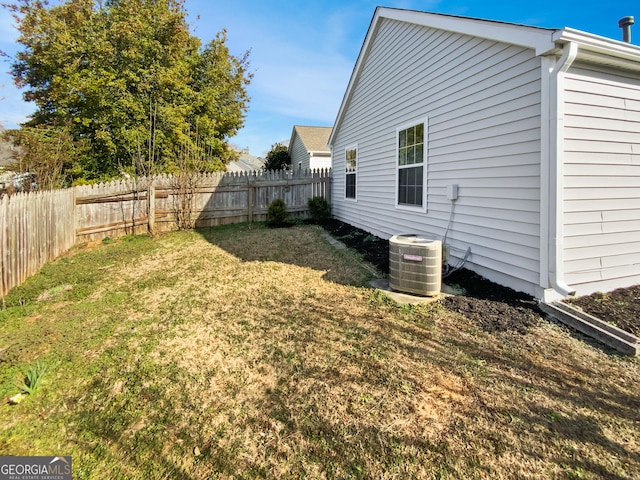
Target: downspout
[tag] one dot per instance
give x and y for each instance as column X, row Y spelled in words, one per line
column 556, row 172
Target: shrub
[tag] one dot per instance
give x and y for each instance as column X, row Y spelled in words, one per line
column 319, row 209
column 277, row 214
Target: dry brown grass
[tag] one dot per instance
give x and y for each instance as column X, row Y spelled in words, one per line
column 258, row 353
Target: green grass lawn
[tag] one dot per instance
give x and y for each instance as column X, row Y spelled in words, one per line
column 248, row 352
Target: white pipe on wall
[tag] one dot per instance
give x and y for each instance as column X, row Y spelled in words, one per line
column 556, row 172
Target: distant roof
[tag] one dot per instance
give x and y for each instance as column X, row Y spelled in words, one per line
column 7, row 151
column 246, row 163
column 315, row 139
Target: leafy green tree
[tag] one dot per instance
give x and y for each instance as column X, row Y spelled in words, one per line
column 277, row 158
column 47, row 154
column 127, row 78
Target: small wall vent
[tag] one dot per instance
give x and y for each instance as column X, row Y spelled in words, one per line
column 415, row 264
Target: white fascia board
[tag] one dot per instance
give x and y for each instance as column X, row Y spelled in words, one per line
column 364, row 50
column 539, row 39
column 542, row 41
column 291, row 140
column 514, row 34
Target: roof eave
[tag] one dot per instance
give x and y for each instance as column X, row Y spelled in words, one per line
column 514, row 34
column 529, row 37
column 291, row 139
column 597, row 49
column 354, row 74
column 592, row 48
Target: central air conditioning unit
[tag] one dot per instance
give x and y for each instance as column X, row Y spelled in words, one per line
column 415, row 264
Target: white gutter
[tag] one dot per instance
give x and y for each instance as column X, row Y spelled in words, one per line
column 598, row 44
column 556, row 172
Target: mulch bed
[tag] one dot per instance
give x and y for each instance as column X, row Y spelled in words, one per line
column 620, row 307
column 494, row 307
column 373, row 249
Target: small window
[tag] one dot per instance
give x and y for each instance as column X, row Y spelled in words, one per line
column 351, row 162
column 411, row 166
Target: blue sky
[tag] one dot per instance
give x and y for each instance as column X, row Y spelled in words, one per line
column 303, row 52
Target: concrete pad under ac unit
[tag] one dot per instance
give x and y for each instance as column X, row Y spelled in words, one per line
column 401, row 298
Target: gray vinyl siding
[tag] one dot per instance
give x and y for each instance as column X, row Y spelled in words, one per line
column 602, row 179
column 482, row 102
column 299, row 154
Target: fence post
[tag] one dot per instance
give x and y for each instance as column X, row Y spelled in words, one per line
column 74, row 223
column 4, row 250
column 250, row 185
column 151, row 209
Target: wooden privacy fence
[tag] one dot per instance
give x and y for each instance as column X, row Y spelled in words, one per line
column 35, row 228
column 38, row 227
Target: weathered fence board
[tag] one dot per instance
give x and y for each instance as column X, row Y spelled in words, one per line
column 37, row 227
column 111, row 209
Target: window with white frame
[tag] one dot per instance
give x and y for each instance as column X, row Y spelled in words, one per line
column 411, row 166
column 351, row 164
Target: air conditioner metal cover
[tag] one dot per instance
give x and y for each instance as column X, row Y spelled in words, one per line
column 415, row 264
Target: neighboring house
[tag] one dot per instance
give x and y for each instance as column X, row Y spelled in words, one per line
column 308, row 147
column 537, row 129
column 7, row 151
column 246, row 163
column 8, row 156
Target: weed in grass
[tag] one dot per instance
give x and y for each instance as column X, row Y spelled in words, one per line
column 575, row 473
column 33, row 377
column 470, row 366
column 552, row 416
column 52, row 293
column 379, row 298
column 407, row 387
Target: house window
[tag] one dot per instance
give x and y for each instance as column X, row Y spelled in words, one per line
column 411, row 166
column 351, row 162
